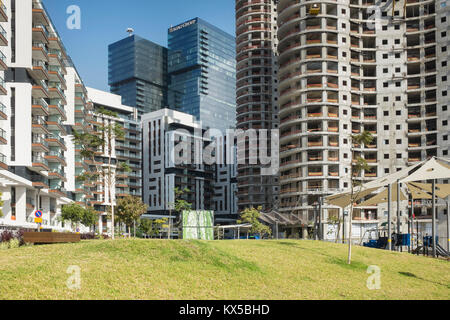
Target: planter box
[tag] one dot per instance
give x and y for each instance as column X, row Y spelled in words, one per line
column 50, row 237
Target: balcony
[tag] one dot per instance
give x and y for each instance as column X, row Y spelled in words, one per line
column 3, row 137
column 3, row 115
column 40, row 90
column 3, row 87
column 39, row 107
column 3, row 37
column 39, row 126
column 55, row 156
column 39, row 16
column 40, row 33
column 3, row 65
column 3, row 11
column 57, row 109
column 39, row 144
column 56, row 92
column 57, row 174
column 40, row 163
column 3, row 162
column 56, row 141
column 54, row 42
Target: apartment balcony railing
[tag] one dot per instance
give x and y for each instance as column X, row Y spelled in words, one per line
column 3, row 115
column 3, row 37
column 3, row 161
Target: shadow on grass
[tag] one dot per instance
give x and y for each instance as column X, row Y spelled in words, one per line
column 412, row 275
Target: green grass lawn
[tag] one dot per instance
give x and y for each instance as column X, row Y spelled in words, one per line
column 196, row 270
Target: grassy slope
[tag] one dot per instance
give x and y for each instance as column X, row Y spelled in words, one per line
column 139, row 269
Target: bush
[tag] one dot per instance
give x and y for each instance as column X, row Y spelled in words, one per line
column 88, row 236
column 6, row 236
column 14, row 243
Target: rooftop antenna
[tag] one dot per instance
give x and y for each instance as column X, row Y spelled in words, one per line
column 130, row 31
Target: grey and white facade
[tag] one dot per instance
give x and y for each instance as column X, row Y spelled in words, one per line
column 166, row 166
column 339, row 75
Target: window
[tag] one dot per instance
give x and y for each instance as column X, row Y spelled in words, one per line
column 385, row 70
column 397, row 56
column 385, row 42
column 445, row 123
column 385, row 84
column 397, row 69
column 386, row 171
column 399, row 141
column 444, row 78
column 344, row 83
column 386, row 156
column 444, row 49
column 385, row 56
column 397, row 41
column 386, row 142
column 386, row 128
column 398, row 98
column 386, row 113
column 399, row 127
column 397, row 27
column 386, row 99
column 444, row 108
column 398, row 112
column 384, row 28
column 399, row 155
column 398, row 84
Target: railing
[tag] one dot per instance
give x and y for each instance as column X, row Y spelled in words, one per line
column 39, row 159
column 39, row 140
column 41, row 26
column 3, row 32
column 40, row 102
column 2, row 108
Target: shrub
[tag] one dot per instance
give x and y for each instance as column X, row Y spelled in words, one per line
column 4, row 245
column 88, row 236
column 6, row 236
column 14, row 243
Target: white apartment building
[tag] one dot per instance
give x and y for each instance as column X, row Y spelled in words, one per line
column 42, row 101
column 211, row 187
column 340, row 74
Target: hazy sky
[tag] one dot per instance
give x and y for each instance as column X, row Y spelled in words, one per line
column 105, row 21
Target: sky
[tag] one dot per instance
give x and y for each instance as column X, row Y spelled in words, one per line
column 106, row 21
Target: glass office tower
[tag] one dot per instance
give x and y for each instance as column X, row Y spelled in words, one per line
column 202, row 73
column 138, row 72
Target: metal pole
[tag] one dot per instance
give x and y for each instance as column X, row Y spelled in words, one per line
column 343, row 226
column 399, row 226
column 315, row 222
column 434, row 219
column 448, row 224
column 389, row 218
column 320, row 219
column 411, row 224
column 170, row 221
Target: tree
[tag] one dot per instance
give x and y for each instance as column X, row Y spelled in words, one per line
column 130, row 209
column 160, row 224
column 178, row 206
column 91, row 143
column 336, row 221
column 89, row 217
column 358, row 165
column 146, row 226
column 73, row 213
column 251, row 216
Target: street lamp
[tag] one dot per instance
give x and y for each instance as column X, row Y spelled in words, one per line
column 38, row 203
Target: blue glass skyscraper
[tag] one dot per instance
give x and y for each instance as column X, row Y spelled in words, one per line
column 138, row 72
column 202, row 73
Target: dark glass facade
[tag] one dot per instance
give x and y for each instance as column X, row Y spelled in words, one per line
column 138, row 72
column 202, row 73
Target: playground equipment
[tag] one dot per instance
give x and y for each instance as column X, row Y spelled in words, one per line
column 427, row 248
column 378, row 239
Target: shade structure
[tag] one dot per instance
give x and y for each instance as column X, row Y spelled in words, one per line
column 392, row 178
column 343, row 200
column 442, row 190
column 431, row 170
column 418, row 193
column 382, row 197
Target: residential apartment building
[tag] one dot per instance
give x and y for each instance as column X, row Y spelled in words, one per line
column 138, row 72
column 124, row 150
column 202, row 73
column 211, row 187
column 340, row 74
column 34, row 88
column 43, row 101
column 257, row 94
